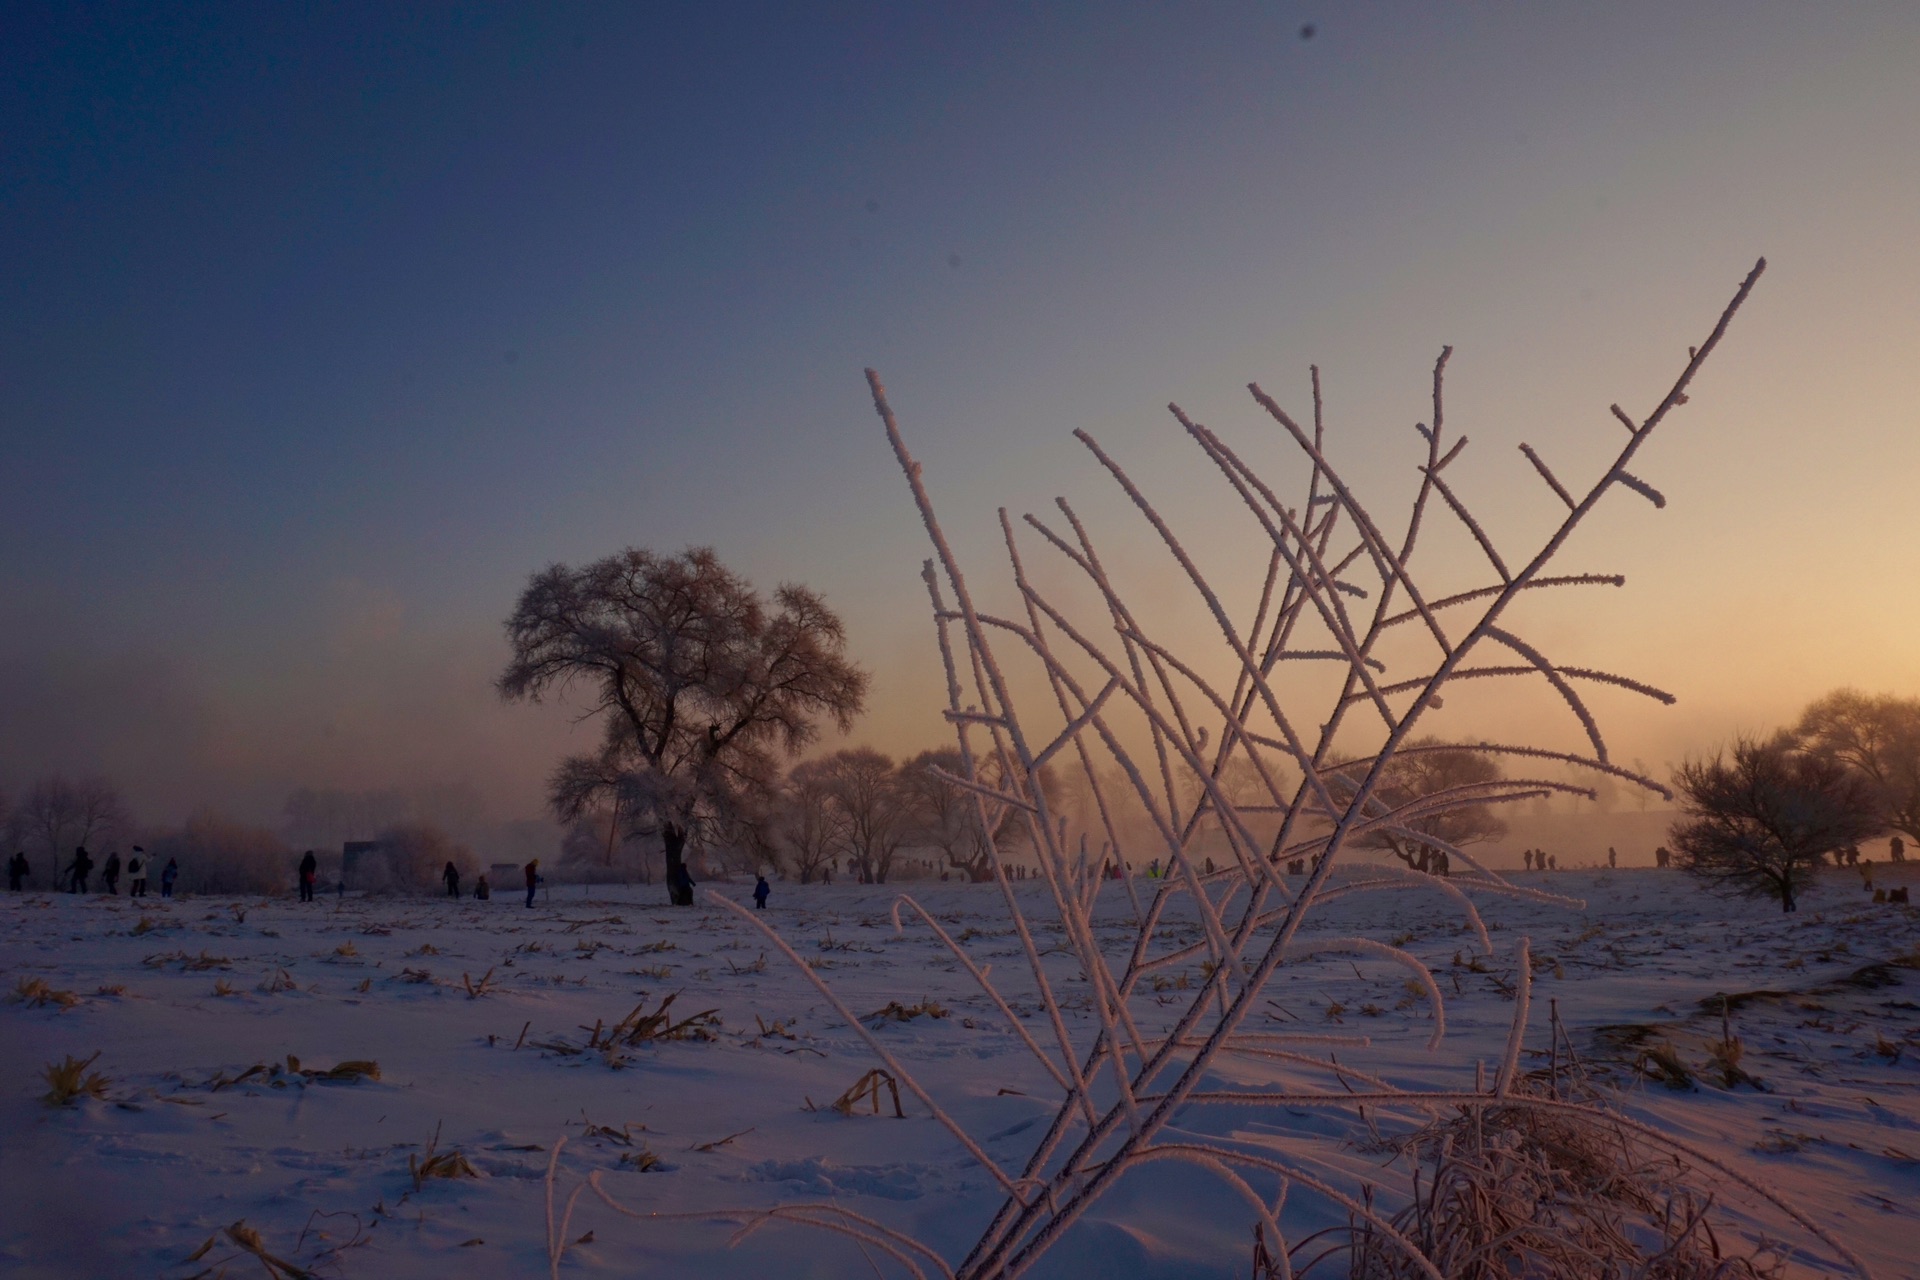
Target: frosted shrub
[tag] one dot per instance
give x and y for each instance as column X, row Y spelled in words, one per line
column 1274, row 745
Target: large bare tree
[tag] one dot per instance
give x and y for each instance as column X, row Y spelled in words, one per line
column 1877, row 736
column 1763, row 821
column 701, row 687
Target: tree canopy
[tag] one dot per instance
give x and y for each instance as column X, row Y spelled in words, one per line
column 701, row 686
column 1877, row 737
column 1762, row 817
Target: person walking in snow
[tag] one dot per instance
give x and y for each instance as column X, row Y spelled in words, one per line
column 168, row 874
column 309, row 868
column 533, row 879
column 110, row 874
column 452, row 876
column 1613, row 859
column 17, row 872
column 82, row 868
column 760, row 891
column 137, row 873
column 1898, row 848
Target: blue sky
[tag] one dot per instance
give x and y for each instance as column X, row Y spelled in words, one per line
column 323, row 327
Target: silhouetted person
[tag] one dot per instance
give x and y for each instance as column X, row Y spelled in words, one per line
column 110, row 874
column 1898, row 848
column 1526, row 857
column 137, row 867
column 760, row 892
column 1662, row 856
column 481, row 893
column 533, row 879
column 17, row 872
column 1553, row 862
column 309, row 868
column 1613, row 858
column 82, row 868
column 680, row 890
column 168, row 874
column 452, row 876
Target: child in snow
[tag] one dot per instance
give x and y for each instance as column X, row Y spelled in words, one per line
column 137, row 873
column 17, row 872
column 481, row 893
column 533, row 879
column 309, row 868
column 760, row 892
column 82, row 868
column 110, row 874
column 168, row 874
column 452, row 876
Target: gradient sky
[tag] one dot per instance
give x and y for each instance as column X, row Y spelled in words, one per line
column 323, row 326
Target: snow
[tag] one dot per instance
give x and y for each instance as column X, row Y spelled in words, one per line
column 134, row 1183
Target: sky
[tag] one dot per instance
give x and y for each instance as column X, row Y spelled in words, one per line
column 323, row 327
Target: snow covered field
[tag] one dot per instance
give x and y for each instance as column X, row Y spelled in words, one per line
column 181, row 999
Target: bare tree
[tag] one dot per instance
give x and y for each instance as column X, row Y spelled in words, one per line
column 875, row 805
column 699, row 685
column 1437, row 794
column 1877, row 736
column 944, row 815
column 810, row 824
column 58, row 814
column 1764, row 821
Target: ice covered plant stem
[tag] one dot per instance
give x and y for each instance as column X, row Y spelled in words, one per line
column 1269, row 746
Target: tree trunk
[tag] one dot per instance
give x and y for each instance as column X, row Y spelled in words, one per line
column 673, row 839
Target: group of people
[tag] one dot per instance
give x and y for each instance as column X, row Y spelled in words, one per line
column 77, row 874
column 1539, row 860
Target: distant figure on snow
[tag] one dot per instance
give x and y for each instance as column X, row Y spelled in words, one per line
column 168, row 874
column 17, row 872
column 1898, row 848
column 1553, row 862
column 309, row 868
column 481, row 893
column 110, row 874
column 533, row 879
column 760, row 892
column 452, row 876
column 1662, row 856
column 683, row 890
column 1526, row 856
column 137, row 873
column 1613, row 858
column 82, row 868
